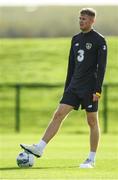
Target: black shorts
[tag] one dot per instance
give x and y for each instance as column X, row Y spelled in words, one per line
column 74, row 100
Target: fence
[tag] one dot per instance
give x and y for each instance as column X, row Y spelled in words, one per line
column 18, row 88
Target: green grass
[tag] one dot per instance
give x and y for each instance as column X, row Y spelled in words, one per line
column 45, row 60
column 34, row 60
column 61, row 158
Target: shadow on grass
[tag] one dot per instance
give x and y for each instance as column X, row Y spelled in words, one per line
column 33, row 168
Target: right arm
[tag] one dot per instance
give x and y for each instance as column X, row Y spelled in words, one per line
column 71, row 65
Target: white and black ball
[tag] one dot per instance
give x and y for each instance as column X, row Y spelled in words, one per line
column 25, row 160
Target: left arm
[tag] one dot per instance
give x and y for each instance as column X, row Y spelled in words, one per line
column 101, row 67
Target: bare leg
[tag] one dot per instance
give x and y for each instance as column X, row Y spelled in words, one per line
column 92, row 118
column 54, row 125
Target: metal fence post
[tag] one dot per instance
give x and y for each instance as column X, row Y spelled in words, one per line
column 17, row 111
column 105, row 108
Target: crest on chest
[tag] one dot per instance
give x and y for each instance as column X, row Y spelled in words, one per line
column 88, row 46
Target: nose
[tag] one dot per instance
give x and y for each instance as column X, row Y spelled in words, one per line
column 81, row 22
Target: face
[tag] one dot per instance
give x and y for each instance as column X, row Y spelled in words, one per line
column 85, row 22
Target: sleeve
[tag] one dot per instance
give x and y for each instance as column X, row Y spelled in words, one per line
column 71, row 65
column 101, row 64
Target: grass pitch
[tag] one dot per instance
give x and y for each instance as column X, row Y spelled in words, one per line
column 45, row 60
column 61, row 158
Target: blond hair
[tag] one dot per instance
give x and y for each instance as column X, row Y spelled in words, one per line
column 88, row 11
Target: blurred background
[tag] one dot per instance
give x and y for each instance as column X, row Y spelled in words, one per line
column 34, row 47
column 53, row 21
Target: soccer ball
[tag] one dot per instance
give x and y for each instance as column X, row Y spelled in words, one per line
column 25, row 159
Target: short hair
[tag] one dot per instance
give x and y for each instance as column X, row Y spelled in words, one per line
column 88, row 11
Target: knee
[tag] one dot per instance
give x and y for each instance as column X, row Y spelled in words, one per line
column 92, row 121
column 59, row 114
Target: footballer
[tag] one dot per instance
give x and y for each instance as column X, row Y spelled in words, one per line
column 83, row 86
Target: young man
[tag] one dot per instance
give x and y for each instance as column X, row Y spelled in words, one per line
column 86, row 69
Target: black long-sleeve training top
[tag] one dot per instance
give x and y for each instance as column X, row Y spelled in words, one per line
column 87, row 63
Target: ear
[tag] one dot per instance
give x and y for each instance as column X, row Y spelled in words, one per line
column 92, row 20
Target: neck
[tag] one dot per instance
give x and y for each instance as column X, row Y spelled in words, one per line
column 86, row 31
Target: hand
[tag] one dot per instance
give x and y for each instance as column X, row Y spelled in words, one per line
column 95, row 97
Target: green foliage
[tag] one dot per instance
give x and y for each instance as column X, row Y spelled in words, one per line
column 61, row 158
